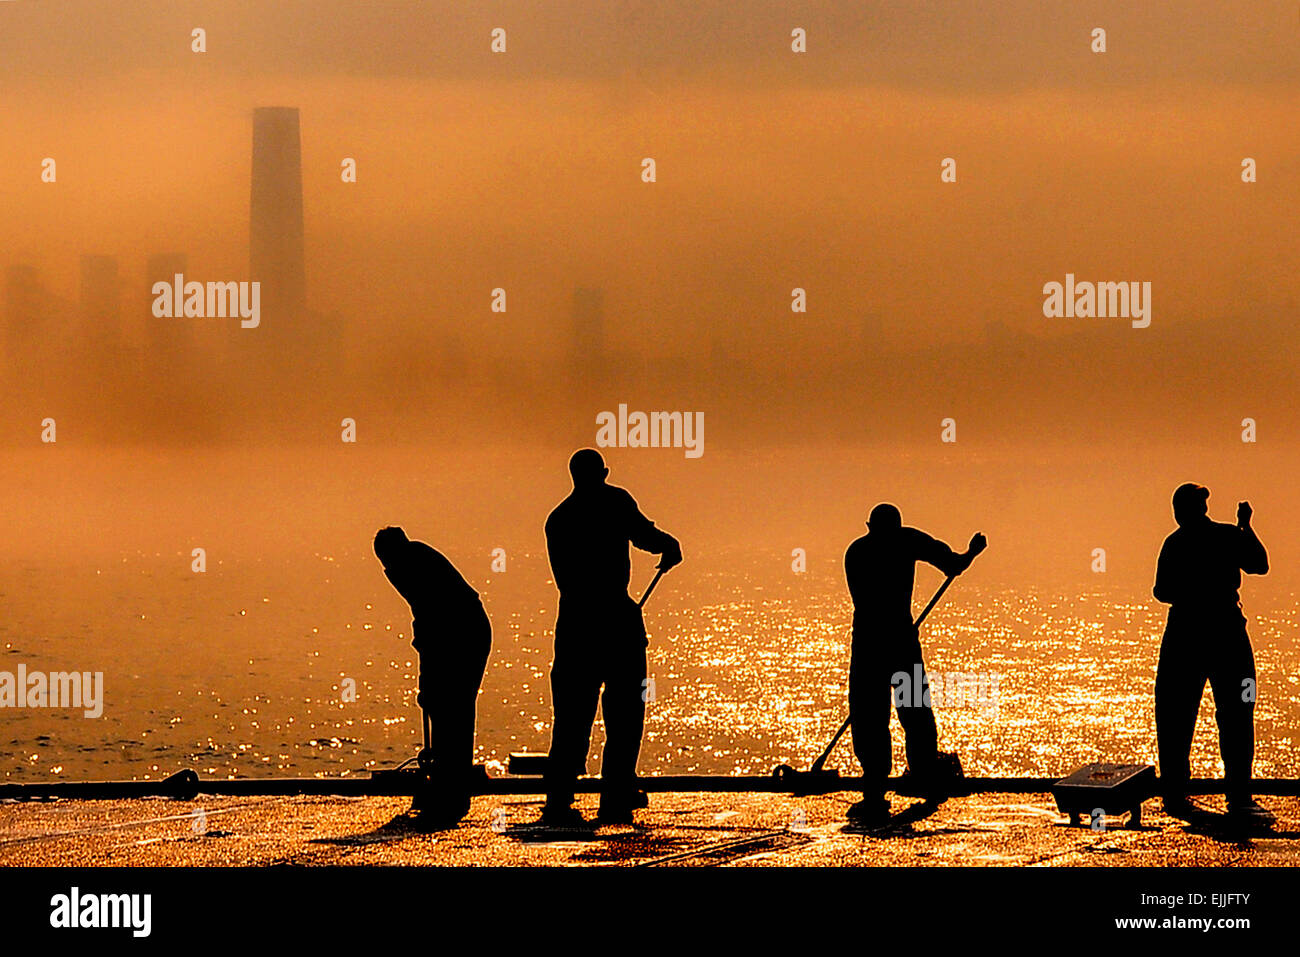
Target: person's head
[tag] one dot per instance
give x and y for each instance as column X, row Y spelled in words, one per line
column 885, row 518
column 1190, row 503
column 587, row 468
column 389, row 543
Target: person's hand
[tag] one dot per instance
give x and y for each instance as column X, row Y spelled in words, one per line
column 671, row 558
column 978, row 543
column 1244, row 512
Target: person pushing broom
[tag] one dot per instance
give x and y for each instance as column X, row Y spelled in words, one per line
column 881, row 570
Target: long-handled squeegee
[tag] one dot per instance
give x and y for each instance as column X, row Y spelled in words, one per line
column 659, row 573
column 425, row 758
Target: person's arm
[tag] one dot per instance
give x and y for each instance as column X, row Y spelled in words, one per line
column 938, row 554
column 854, row 572
column 556, row 553
column 395, row 580
column 644, row 535
column 1254, row 559
column 399, row 577
column 1165, row 589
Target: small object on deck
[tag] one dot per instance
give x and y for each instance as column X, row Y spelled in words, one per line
column 183, row 785
column 1108, row 788
column 526, row 763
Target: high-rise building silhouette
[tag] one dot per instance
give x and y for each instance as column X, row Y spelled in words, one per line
column 276, row 257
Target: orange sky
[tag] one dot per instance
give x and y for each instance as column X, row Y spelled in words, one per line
column 774, row 170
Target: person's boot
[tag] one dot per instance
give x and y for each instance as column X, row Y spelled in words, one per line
column 871, row 811
column 615, row 814
column 1245, row 807
column 1175, row 801
column 428, row 792
column 617, row 808
column 442, row 813
column 935, row 779
column 422, row 798
column 441, row 800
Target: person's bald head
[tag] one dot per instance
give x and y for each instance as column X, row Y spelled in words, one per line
column 588, row 469
column 885, row 518
column 390, row 542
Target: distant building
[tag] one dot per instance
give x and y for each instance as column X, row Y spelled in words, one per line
column 276, row 256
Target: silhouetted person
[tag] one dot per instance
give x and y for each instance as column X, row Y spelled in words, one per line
column 600, row 639
column 881, row 570
column 453, row 637
column 1198, row 575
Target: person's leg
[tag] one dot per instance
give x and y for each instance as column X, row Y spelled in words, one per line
column 1180, row 682
column 425, row 698
column 452, row 698
column 455, row 715
column 424, row 688
column 477, row 648
column 1232, row 678
column 575, row 692
column 451, row 740
column 623, row 707
column 869, row 715
column 915, row 712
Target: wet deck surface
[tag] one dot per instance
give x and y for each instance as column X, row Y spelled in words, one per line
column 678, row 830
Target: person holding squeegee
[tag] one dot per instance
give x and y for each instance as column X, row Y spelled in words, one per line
column 600, row 639
column 453, row 637
column 886, row 651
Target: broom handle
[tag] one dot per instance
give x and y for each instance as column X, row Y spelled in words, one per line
column 654, row 581
column 934, row 600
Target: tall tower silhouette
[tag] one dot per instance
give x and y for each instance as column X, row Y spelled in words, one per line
column 275, row 212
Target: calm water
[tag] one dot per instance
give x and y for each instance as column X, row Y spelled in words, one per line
column 238, row 671
column 750, row 677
